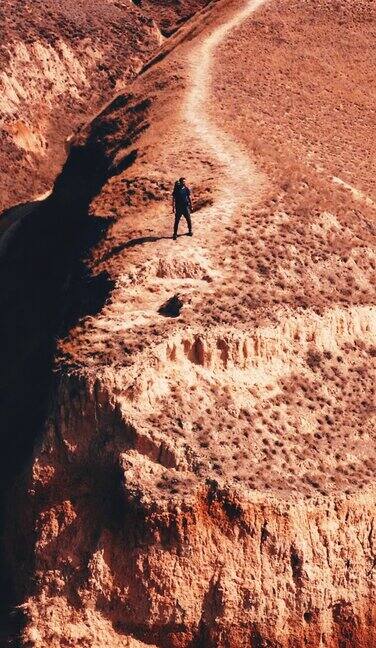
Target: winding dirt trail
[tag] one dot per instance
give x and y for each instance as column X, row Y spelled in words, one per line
column 242, row 178
column 239, row 183
column 242, row 175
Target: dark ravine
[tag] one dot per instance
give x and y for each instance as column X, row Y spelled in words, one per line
column 44, row 288
column 35, row 269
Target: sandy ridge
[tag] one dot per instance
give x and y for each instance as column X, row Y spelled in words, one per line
column 240, row 181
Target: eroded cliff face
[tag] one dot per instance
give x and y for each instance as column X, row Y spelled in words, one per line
column 205, row 477
column 150, row 532
column 58, row 65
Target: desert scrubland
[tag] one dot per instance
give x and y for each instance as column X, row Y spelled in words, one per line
column 204, row 476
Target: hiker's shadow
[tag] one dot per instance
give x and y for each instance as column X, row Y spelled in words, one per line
column 130, row 244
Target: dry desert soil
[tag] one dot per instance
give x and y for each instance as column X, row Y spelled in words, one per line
column 189, row 455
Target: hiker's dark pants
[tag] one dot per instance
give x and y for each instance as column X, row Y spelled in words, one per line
column 182, row 211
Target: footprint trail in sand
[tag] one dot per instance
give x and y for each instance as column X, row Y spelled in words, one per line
column 239, row 183
column 242, row 178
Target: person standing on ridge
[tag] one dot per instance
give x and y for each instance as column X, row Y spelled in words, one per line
column 181, row 206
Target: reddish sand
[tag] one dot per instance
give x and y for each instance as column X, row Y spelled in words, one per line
column 303, row 92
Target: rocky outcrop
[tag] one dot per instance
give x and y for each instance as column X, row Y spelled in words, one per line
column 132, row 543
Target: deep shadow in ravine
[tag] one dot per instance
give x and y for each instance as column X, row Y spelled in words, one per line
column 45, row 288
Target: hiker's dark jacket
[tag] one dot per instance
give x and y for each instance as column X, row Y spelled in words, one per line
column 181, row 196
